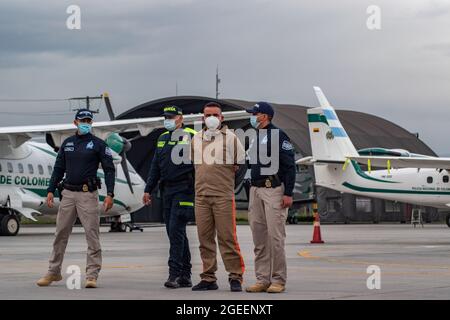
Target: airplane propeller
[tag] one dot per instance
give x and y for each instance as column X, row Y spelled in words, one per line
column 123, row 145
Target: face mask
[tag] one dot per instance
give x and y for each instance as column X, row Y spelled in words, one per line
column 254, row 122
column 84, row 128
column 169, row 124
column 212, row 123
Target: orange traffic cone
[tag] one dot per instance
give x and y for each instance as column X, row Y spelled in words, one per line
column 317, row 237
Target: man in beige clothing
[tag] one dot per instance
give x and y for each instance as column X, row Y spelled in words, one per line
column 77, row 162
column 216, row 153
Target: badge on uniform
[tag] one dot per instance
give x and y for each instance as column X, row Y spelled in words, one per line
column 90, row 145
column 85, row 188
column 268, row 183
column 287, row 145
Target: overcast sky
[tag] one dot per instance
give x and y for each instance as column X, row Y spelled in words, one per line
column 267, row 50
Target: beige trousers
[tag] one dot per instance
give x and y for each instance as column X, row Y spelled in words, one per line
column 85, row 206
column 217, row 215
column 267, row 221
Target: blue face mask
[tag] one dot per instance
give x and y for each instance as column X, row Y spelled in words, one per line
column 254, row 122
column 170, row 124
column 84, row 128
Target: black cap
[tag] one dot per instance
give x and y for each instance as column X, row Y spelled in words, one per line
column 84, row 114
column 262, row 107
column 172, row 111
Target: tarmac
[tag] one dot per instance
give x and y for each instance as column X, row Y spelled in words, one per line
column 413, row 263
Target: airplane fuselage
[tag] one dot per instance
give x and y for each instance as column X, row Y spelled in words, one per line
column 25, row 175
column 427, row 187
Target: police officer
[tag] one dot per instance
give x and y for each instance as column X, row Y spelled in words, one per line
column 79, row 159
column 270, row 198
column 171, row 166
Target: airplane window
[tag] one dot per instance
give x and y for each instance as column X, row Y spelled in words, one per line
column 50, row 170
column 445, row 179
column 10, row 167
column 30, row 169
column 20, row 166
column 40, row 169
column 430, row 179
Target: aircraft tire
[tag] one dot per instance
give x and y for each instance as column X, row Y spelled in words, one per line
column 9, row 225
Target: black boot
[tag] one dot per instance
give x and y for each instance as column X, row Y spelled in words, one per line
column 172, row 283
column 205, row 285
column 184, row 281
column 235, row 285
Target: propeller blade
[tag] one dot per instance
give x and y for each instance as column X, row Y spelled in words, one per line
column 124, row 165
column 109, row 106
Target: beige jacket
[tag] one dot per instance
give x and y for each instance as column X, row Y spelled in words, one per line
column 215, row 156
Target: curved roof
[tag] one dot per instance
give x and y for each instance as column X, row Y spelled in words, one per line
column 364, row 129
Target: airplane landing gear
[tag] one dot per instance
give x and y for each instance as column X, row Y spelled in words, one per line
column 118, row 226
column 9, row 225
column 9, row 221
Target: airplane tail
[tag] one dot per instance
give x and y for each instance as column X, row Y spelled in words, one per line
column 330, row 142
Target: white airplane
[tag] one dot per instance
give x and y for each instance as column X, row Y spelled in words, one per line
column 26, row 167
column 410, row 178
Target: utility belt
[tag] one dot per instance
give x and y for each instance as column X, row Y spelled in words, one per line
column 267, row 182
column 91, row 185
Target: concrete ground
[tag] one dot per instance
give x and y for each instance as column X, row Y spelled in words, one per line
column 414, row 264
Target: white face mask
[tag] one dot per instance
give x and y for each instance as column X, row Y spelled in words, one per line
column 212, row 123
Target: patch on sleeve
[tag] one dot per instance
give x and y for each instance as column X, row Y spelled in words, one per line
column 108, row 151
column 287, row 145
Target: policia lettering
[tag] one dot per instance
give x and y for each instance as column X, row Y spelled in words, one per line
column 78, row 161
column 176, row 180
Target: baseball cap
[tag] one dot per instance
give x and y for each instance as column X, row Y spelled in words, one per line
column 262, row 107
column 172, row 111
column 84, row 114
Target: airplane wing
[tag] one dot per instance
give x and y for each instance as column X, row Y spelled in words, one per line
column 306, row 161
column 404, row 162
column 310, row 161
column 16, row 136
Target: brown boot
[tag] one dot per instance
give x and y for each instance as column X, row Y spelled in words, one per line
column 48, row 279
column 91, row 283
column 257, row 287
column 276, row 288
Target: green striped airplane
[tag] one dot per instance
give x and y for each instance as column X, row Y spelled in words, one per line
column 26, row 167
column 409, row 178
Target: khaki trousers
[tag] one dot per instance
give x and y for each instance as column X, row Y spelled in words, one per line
column 267, row 220
column 85, row 206
column 217, row 215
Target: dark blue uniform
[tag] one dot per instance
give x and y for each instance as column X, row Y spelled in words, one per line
column 286, row 171
column 79, row 159
column 177, row 186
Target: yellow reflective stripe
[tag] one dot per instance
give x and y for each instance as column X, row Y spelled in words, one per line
column 161, row 144
column 189, row 130
column 172, row 143
column 183, row 142
column 186, row 204
column 164, row 133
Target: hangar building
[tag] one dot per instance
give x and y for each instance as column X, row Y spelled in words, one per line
column 365, row 130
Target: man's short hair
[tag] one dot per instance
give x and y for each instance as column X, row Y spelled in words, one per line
column 212, row 105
